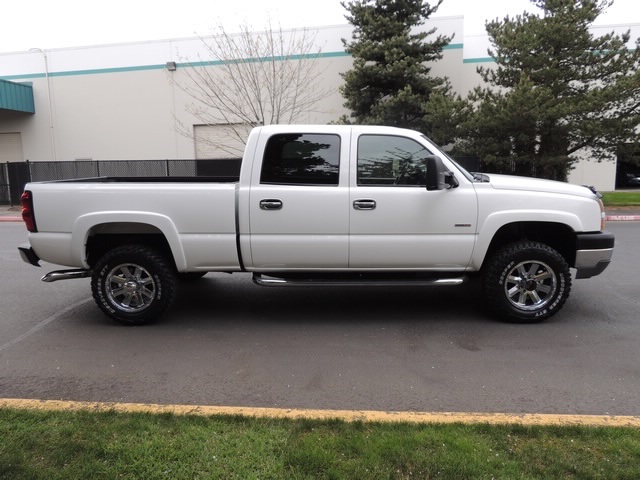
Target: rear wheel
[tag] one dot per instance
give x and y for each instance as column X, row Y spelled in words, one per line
column 526, row 282
column 133, row 284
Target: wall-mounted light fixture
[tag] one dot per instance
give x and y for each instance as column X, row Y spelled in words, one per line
column 171, row 66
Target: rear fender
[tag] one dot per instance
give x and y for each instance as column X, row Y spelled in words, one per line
column 85, row 223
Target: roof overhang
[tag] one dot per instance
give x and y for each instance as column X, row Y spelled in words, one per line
column 16, row 97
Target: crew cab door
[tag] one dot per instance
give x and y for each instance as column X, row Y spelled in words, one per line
column 396, row 223
column 298, row 203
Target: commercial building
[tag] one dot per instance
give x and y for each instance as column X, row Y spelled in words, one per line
column 124, row 101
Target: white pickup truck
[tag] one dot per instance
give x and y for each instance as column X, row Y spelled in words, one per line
column 322, row 205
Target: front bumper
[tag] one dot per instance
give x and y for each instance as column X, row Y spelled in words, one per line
column 593, row 253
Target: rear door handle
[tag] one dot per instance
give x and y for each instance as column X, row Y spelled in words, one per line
column 270, row 204
column 364, row 204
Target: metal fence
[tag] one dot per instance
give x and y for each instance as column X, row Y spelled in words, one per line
column 14, row 175
column 44, row 171
column 12, row 179
column 4, row 185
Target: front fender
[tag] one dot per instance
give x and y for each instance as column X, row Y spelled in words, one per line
column 164, row 224
column 495, row 221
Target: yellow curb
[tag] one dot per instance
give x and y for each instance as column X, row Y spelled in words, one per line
column 529, row 419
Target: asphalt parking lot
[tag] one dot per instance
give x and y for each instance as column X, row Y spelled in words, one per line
column 230, row 342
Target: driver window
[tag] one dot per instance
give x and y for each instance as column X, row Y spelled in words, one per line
column 388, row 160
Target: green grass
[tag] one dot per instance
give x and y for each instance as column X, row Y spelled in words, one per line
column 109, row 445
column 621, row 199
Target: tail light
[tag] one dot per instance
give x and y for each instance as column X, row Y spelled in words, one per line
column 27, row 211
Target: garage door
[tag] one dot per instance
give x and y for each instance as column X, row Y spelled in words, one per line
column 220, row 141
column 11, row 147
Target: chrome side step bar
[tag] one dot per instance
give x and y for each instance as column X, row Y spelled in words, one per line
column 364, row 281
column 65, row 275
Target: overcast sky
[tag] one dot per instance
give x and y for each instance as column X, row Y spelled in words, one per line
column 49, row 24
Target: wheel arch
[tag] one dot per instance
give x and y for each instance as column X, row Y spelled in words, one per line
column 95, row 234
column 558, row 236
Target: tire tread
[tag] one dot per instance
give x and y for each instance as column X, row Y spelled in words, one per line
column 495, row 300
column 139, row 254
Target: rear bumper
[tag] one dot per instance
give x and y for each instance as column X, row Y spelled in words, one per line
column 28, row 255
column 593, row 253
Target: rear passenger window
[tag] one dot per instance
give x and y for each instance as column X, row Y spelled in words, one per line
column 301, row 159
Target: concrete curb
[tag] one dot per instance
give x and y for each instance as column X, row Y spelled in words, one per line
column 622, row 218
column 529, row 419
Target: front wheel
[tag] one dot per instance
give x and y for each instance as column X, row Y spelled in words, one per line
column 133, row 284
column 526, row 282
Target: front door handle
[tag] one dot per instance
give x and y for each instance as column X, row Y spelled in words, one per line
column 364, row 204
column 270, row 204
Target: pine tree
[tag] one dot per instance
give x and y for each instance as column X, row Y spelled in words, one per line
column 390, row 82
column 556, row 89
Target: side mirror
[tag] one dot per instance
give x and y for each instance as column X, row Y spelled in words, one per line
column 450, row 180
column 438, row 177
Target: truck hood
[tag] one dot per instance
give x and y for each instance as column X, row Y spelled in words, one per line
column 509, row 182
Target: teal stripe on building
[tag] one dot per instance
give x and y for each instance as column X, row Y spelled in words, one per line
column 139, row 68
column 16, row 97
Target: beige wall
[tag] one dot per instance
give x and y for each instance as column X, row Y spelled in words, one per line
column 587, row 171
column 119, row 102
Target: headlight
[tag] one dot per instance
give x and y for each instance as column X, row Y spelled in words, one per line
column 603, row 217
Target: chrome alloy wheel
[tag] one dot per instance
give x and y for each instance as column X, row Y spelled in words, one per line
column 530, row 285
column 130, row 287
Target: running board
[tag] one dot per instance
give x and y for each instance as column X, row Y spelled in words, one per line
column 65, row 275
column 357, row 281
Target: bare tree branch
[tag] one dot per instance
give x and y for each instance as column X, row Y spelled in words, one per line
column 250, row 79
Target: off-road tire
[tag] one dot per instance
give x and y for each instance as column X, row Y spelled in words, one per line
column 133, row 284
column 526, row 282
